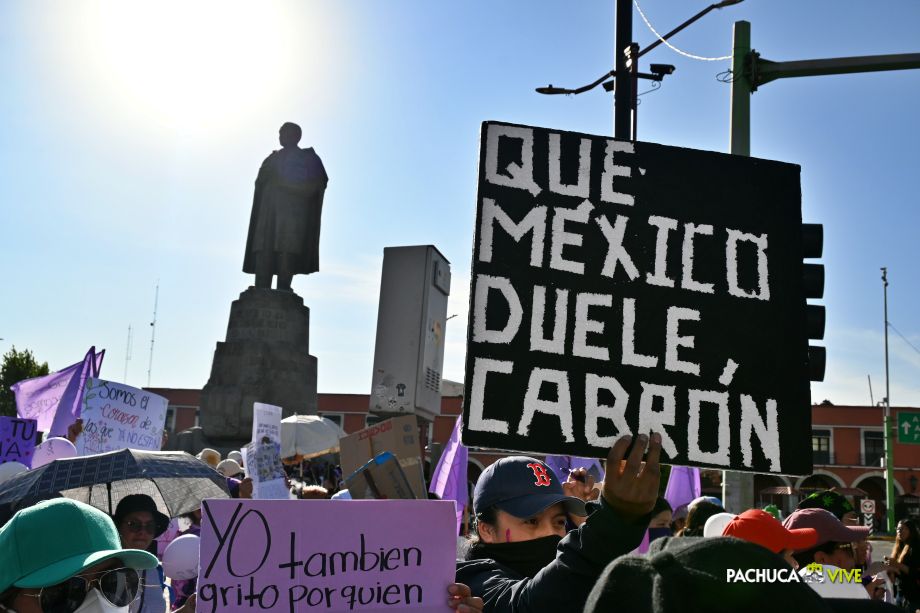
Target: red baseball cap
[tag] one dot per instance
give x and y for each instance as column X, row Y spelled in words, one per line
column 757, row 526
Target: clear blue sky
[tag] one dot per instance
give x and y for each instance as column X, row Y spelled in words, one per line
column 132, row 132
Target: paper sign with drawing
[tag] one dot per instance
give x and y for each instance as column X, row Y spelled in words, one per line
column 117, row 416
column 262, row 457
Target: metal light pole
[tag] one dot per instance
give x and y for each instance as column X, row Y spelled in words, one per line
column 740, row 127
column 622, row 95
column 886, row 423
column 750, row 71
column 738, row 487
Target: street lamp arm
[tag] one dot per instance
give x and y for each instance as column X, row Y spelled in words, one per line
column 693, row 19
column 550, row 90
column 580, row 90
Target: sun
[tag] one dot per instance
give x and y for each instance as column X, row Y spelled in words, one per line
column 190, row 64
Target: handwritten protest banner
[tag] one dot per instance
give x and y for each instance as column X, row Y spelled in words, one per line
column 18, row 438
column 262, row 457
column 55, row 400
column 322, row 555
column 625, row 287
column 117, row 416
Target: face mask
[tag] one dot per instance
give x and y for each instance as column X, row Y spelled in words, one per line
column 526, row 558
column 95, row 603
column 657, row 533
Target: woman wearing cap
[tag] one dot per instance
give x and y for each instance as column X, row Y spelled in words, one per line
column 65, row 556
column 139, row 522
column 832, row 501
column 522, row 560
column 834, row 550
column 760, row 527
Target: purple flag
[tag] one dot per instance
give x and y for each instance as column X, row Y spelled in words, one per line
column 683, row 486
column 54, row 400
column 449, row 477
column 643, row 546
column 563, row 464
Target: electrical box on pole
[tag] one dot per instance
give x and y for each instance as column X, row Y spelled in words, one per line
column 411, row 322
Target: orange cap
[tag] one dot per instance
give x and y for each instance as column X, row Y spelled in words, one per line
column 757, row 526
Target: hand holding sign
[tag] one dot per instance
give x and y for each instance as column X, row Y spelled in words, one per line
column 632, row 489
column 462, row 599
column 580, row 484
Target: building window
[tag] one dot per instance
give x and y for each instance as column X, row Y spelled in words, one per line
column 197, row 416
column 873, row 447
column 170, row 418
column 336, row 418
column 370, row 420
column 821, row 446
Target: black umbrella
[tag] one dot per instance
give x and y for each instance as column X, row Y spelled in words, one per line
column 176, row 481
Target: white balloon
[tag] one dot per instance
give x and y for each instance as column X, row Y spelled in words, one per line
column 9, row 470
column 716, row 524
column 180, row 559
column 55, row 448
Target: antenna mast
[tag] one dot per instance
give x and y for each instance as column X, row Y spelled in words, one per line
column 153, row 331
column 127, row 355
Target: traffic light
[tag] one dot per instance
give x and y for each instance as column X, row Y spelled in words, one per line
column 813, row 285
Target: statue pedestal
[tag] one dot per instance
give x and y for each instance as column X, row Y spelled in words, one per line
column 266, row 358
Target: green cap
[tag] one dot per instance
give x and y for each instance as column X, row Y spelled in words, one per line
column 54, row 540
column 773, row 510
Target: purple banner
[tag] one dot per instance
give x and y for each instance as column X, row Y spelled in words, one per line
column 449, row 480
column 683, row 486
column 326, row 555
column 54, row 400
column 18, row 438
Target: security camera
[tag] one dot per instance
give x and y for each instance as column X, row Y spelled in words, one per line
column 661, row 69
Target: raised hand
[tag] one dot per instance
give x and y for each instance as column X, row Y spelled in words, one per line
column 74, row 430
column 631, row 489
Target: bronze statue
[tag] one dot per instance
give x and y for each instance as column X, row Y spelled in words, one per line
column 286, row 211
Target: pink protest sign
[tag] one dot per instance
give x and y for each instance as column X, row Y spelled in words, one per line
column 18, row 438
column 326, row 555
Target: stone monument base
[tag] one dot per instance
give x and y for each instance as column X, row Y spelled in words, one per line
column 266, row 358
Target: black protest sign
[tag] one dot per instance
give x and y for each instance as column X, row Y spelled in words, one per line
column 625, row 287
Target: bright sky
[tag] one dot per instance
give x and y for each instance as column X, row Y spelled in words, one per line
column 132, row 133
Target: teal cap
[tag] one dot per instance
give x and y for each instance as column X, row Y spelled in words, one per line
column 54, row 540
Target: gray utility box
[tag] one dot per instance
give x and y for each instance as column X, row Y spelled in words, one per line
column 411, row 322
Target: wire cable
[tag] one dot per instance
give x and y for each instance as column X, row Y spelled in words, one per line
column 903, row 338
column 672, row 47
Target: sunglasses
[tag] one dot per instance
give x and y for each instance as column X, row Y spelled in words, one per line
column 135, row 526
column 118, row 586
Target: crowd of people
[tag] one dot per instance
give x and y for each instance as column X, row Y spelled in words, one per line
column 539, row 542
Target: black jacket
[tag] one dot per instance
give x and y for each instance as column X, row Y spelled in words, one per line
column 564, row 585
